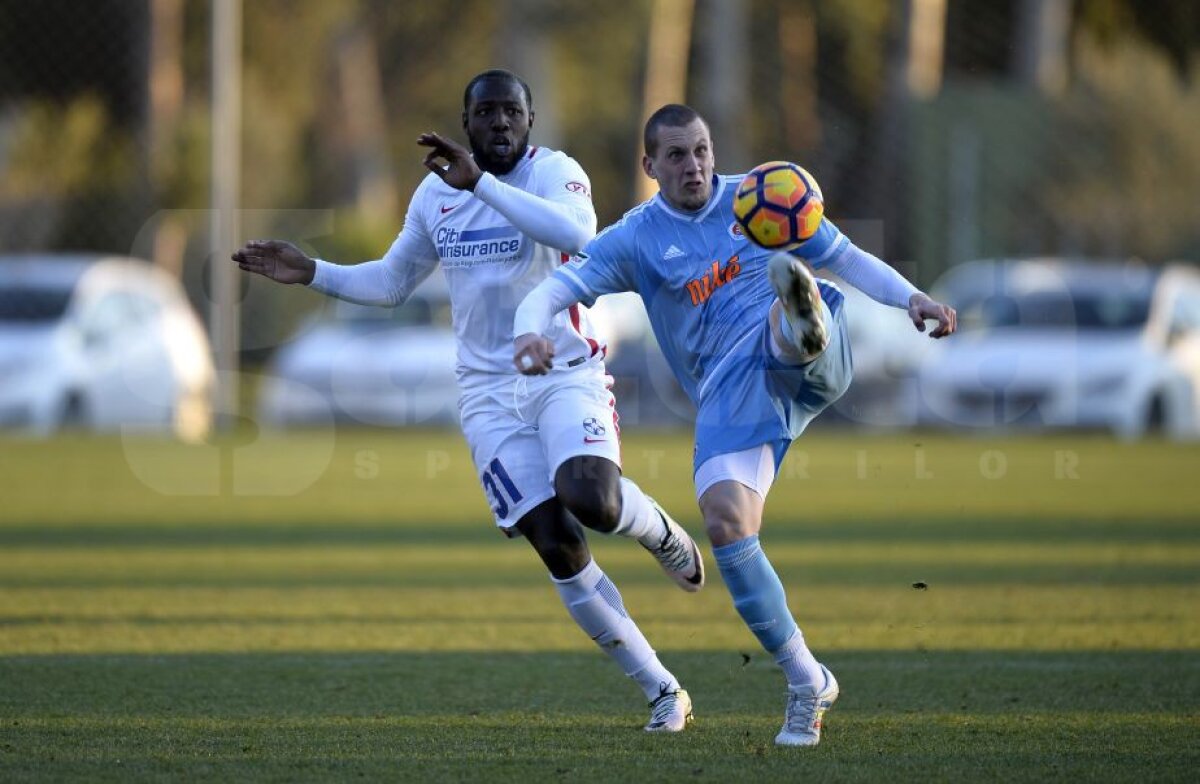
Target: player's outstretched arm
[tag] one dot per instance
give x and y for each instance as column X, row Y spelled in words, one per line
column 566, row 227
column 533, row 353
column 922, row 307
column 883, row 284
column 280, row 261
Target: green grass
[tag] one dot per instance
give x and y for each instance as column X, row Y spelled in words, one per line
column 339, row 607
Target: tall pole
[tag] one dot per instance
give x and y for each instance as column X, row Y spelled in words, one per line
column 223, row 227
column 666, row 70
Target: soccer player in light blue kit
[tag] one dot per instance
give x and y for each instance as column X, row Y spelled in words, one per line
column 758, row 344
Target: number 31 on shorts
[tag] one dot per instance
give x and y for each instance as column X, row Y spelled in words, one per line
column 489, row 478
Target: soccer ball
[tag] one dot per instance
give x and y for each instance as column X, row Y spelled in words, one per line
column 778, row 205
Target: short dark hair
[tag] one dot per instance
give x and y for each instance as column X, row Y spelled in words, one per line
column 674, row 115
column 498, row 74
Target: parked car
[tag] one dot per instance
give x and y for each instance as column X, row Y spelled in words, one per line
column 1049, row 342
column 888, row 352
column 100, row 342
column 368, row 365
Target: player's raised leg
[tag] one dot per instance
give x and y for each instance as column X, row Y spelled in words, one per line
column 593, row 490
column 596, row 606
column 799, row 319
column 732, row 517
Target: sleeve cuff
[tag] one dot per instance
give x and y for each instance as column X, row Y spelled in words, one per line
column 320, row 281
column 576, row 286
column 485, row 189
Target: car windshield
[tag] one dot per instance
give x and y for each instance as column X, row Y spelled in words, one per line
column 33, row 304
column 1090, row 310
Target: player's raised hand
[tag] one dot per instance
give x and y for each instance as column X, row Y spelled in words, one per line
column 533, row 354
column 921, row 307
column 461, row 171
column 280, row 261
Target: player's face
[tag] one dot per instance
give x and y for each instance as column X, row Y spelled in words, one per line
column 497, row 122
column 683, row 165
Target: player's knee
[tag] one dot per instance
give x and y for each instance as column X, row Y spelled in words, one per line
column 595, row 504
column 726, row 520
column 590, row 489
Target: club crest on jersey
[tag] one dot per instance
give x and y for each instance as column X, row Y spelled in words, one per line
column 703, row 287
column 735, row 231
column 574, row 186
column 477, row 246
column 593, row 426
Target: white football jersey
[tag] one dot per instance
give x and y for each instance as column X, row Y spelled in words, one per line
column 489, row 265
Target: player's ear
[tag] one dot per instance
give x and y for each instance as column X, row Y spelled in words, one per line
column 648, row 167
column 531, row 116
column 464, row 118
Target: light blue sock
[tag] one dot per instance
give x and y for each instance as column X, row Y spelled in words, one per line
column 757, row 592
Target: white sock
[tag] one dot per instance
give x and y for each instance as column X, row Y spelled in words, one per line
column 639, row 519
column 594, row 603
column 798, row 663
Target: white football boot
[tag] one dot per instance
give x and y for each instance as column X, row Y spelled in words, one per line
column 806, row 711
column 671, row 711
column 675, row 551
column 801, row 300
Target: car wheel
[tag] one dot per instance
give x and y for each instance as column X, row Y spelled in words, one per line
column 74, row 413
column 1156, row 415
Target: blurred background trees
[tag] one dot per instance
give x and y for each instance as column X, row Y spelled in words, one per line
column 943, row 130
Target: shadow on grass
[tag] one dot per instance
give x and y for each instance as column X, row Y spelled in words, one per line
column 406, row 531
column 501, row 717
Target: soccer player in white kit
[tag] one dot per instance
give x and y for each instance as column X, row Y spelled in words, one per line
column 499, row 220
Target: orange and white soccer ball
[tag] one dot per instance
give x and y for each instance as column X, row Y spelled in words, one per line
column 778, row 205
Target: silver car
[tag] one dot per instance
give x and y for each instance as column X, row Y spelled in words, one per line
column 360, row 364
column 100, row 342
column 1055, row 343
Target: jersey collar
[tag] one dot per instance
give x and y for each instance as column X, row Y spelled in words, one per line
column 530, row 152
column 694, row 217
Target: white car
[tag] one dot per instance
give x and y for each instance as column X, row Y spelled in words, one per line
column 1052, row 343
column 100, row 342
column 367, row 365
column 887, row 352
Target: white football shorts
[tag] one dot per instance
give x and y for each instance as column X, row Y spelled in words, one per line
column 520, row 429
column 753, row 467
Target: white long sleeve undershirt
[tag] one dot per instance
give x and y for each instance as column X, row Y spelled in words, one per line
column 549, row 223
column 867, row 273
column 389, row 281
column 539, row 307
column 385, row 282
column 857, row 267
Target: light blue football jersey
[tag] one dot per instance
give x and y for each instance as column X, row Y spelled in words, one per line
column 704, row 284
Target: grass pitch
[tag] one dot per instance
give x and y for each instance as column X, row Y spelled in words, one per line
column 328, row 606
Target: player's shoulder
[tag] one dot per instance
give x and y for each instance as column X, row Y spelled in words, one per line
column 547, row 161
column 627, row 228
column 544, row 156
column 432, row 189
column 729, row 184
